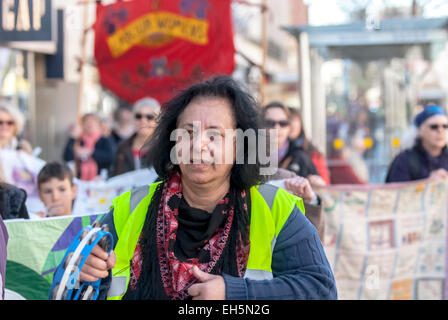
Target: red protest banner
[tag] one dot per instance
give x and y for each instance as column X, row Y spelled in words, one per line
column 154, row 47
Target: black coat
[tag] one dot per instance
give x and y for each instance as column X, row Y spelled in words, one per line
column 104, row 153
column 124, row 161
column 416, row 164
column 12, row 202
column 298, row 161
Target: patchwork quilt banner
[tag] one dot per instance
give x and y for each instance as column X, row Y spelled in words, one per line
column 35, row 249
column 387, row 241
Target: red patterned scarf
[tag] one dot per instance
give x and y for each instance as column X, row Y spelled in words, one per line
column 175, row 274
column 89, row 167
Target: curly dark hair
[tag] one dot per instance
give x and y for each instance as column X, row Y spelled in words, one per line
column 247, row 116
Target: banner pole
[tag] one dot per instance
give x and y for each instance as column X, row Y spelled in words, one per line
column 264, row 50
column 80, row 110
column 82, row 61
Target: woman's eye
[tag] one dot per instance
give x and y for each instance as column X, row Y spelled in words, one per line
column 214, row 134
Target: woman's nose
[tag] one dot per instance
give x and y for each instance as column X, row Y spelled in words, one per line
column 201, row 141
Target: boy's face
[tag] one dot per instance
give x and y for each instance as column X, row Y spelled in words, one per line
column 57, row 196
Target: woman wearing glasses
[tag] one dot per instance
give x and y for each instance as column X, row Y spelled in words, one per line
column 428, row 158
column 131, row 150
column 290, row 156
column 11, row 126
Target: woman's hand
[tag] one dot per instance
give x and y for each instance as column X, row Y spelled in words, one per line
column 55, row 209
column 316, row 181
column 97, row 265
column 75, row 131
column 211, row 287
column 439, row 174
column 300, row 187
column 26, row 147
column 82, row 153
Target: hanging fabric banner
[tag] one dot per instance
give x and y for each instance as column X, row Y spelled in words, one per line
column 155, row 48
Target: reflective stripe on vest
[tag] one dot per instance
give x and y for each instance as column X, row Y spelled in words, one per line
column 270, row 208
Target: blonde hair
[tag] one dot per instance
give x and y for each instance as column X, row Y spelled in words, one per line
column 16, row 115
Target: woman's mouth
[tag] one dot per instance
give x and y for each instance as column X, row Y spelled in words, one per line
column 200, row 166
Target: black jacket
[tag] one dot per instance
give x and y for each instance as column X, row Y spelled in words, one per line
column 298, row 161
column 12, row 202
column 124, row 161
column 416, row 164
column 104, row 153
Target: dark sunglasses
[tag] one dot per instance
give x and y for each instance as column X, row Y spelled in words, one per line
column 9, row 123
column 149, row 117
column 272, row 124
column 437, row 126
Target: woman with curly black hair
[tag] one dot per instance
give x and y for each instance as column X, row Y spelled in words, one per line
column 210, row 228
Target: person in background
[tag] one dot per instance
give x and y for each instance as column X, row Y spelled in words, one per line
column 354, row 155
column 124, row 126
column 56, row 189
column 91, row 151
column 12, row 206
column 131, row 151
column 106, row 131
column 302, row 188
column 12, row 202
column 3, row 255
column 11, row 126
column 298, row 138
column 428, row 158
column 290, row 156
column 341, row 171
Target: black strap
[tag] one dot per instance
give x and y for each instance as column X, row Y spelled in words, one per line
column 414, row 164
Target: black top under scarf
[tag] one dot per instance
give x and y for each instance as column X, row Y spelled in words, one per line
column 196, row 227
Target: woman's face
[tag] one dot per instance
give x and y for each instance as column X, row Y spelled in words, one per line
column 145, row 121
column 91, row 125
column 433, row 131
column 125, row 116
column 209, row 125
column 276, row 118
column 295, row 127
column 7, row 126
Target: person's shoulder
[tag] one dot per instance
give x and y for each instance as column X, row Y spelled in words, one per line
column 12, row 190
column 273, row 194
column 126, row 144
column 297, row 153
column 16, row 196
column 404, row 156
column 24, row 141
column 105, row 142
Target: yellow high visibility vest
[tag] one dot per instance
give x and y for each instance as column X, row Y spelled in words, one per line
column 270, row 208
